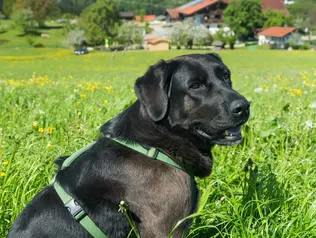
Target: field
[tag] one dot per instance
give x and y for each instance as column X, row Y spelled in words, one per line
column 52, row 103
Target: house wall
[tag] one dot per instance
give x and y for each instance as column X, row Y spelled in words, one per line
column 159, row 46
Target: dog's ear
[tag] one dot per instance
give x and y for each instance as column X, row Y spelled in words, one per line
column 152, row 90
column 216, row 56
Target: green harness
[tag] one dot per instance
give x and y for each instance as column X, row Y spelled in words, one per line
column 76, row 210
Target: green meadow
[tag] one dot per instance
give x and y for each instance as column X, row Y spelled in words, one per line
column 52, row 103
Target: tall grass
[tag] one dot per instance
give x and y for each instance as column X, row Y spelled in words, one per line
column 264, row 187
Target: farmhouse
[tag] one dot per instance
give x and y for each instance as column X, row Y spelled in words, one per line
column 210, row 12
column 206, row 12
column 157, row 44
column 276, row 37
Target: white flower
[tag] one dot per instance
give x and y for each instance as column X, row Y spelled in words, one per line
column 258, row 90
column 308, row 124
column 313, row 105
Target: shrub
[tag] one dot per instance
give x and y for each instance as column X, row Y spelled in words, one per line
column 75, row 38
column 2, row 16
column 227, row 37
column 130, row 33
column 23, row 19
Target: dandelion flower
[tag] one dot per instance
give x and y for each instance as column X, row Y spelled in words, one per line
column 41, row 130
column 5, row 163
column 83, row 95
column 50, row 130
column 2, row 174
column 34, row 123
column 106, row 101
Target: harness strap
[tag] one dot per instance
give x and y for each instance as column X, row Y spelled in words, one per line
column 78, row 213
column 74, row 207
column 152, row 153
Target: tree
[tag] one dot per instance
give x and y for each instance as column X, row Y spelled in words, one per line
column 75, row 38
column 129, row 32
column 23, row 19
column 100, row 21
column 243, row 16
column 273, row 18
column 7, row 7
column 187, row 33
column 41, row 9
column 182, row 33
column 226, row 36
column 304, row 13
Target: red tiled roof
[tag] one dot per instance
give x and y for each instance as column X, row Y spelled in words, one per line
column 277, row 31
column 197, row 7
column 155, row 40
column 174, row 13
column 275, row 5
column 146, row 18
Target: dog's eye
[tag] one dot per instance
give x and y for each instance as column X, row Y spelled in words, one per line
column 195, row 85
column 226, row 77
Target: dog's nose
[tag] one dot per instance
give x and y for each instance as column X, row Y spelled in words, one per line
column 240, row 108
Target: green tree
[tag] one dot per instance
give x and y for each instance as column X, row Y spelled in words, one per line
column 99, row 21
column 275, row 18
column 23, row 19
column 304, row 14
column 7, row 7
column 41, row 9
column 130, row 33
column 243, row 16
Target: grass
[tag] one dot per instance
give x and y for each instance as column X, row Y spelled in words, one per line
column 52, row 103
column 14, row 41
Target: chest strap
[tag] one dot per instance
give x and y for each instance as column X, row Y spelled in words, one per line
column 73, row 206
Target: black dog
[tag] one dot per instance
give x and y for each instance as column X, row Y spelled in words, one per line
column 185, row 106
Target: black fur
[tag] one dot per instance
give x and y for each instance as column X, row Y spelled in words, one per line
column 184, row 105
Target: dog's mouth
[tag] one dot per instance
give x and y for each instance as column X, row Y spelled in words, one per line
column 230, row 136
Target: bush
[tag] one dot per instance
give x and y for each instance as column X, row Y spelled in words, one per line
column 3, row 28
column 23, row 19
column 227, row 36
column 2, row 17
column 130, row 33
column 75, row 38
column 30, row 40
column 38, row 45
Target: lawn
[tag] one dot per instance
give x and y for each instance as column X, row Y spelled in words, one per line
column 53, row 102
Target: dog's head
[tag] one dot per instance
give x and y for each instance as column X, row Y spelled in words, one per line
column 194, row 93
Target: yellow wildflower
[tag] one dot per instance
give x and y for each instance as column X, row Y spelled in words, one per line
column 34, row 73
column 50, row 130
column 5, row 163
column 49, row 145
column 2, row 174
column 70, row 76
column 34, row 123
column 41, row 130
column 83, row 95
column 106, row 101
